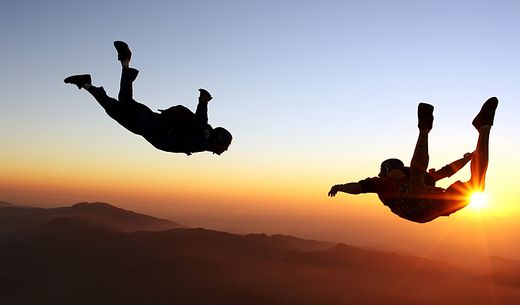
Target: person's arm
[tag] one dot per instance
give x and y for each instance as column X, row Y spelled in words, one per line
column 450, row 169
column 350, row 188
column 201, row 114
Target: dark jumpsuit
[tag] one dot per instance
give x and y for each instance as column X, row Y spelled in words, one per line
column 393, row 191
column 176, row 129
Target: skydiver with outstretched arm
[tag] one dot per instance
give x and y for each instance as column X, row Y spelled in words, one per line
column 411, row 192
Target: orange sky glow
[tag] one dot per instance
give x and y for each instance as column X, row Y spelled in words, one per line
column 318, row 95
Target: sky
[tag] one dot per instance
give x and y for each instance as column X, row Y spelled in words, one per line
column 315, row 93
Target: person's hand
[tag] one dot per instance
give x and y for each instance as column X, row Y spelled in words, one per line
column 204, row 96
column 333, row 191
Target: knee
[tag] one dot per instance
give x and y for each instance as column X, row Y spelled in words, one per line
column 97, row 92
column 479, row 186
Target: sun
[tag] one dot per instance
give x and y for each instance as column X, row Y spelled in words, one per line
column 478, row 200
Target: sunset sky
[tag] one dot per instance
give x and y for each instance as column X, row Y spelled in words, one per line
column 315, row 93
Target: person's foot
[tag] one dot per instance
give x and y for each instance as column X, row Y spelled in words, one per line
column 486, row 114
column 204, row 96
column 425, row 114
column 79, row 80
column 123, row 51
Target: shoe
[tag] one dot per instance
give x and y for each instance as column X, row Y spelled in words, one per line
column 486, row 114
column 425, row 114
column 204, row 96
column 79, row 80
column 123, row 51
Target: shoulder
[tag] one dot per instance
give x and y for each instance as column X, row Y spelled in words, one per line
column 371, row 184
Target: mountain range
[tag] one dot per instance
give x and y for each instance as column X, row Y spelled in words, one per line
column 96, row 253
column 15, row 218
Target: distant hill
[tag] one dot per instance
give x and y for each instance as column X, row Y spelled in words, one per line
column 504, row 271
column 74, row 260
column 5, row 204
column 98, row 214
column 289, row 242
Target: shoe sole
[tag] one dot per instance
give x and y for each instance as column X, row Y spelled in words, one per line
column 486, row 115
column 425, row 116
column 123, row 51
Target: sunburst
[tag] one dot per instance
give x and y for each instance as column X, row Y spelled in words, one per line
column 478, row 200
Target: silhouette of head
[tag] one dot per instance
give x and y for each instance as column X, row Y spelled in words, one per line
column 388, row 165
column 222, row 139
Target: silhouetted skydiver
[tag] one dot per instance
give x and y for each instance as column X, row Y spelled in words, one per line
column 176, row 129
column 410, row 192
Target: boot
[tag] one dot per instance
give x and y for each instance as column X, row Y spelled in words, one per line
column 123, row 51
column 425, row 114
column 79, row 80
column 486, row 114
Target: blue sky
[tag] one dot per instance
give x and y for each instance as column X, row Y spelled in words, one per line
column 313, row 68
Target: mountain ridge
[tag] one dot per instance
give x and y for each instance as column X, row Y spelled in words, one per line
column 74, row 260
column 14, row 218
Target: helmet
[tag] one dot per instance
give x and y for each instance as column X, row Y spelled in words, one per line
column 223, row 139
column 388, row 165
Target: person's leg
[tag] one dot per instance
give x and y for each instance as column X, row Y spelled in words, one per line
column 111, row 105
column 136, row 117
column 201, row 114
column 128, row 75
column 420, row 157
column 84, row 81
column 458, row 194
column 479, row 162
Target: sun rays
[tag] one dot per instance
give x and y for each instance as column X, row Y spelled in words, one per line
column 478, row 201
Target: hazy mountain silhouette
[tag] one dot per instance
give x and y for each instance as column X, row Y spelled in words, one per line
column 70, row 260
column 289, row 242
column 5, row 204
column 504, row 271
column 15, row 218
